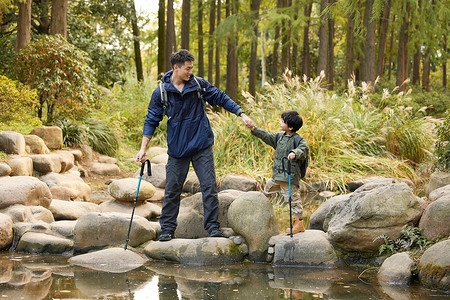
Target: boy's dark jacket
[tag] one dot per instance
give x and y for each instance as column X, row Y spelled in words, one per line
column 188, row 127
column 283, row 147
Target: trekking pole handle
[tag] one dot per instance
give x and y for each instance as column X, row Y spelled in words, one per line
column 149, row 168
column 288, row 165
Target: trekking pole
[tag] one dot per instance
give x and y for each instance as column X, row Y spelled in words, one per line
column 290, row 196
column 149, row 172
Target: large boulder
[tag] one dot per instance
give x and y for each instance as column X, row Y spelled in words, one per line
column 251, row 215
column 46, row 163
column 436, row 219
column 105, row 169
column 158, row 177
column 439, row 192
column 35, row 145
column 21, row 166
column 240, row 183
column 5, row 169
column 98, row 230
column 12, row 142
column 160, row 159
column 24, row 190
column 52, row 136
column 43, row 243
column 434, row 266
column 396, row 270
column 309, row 248
column 318, row 217
column 6, row 231
column 22, row 213
column 202, row 251
column 381, row 207
column 191, row 184
column 67, row 187
column 124, row 190
column 437, row 179
column 143, row 209
column 71, row 210
column 67, row 160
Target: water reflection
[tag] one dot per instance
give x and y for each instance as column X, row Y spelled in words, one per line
column 51, row 277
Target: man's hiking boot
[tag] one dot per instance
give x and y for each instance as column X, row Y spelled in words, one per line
column 297, row 227
column 216, row 233
column 165, row 237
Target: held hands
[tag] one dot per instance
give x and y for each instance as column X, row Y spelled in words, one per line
column 291, row 156
column 247, row 121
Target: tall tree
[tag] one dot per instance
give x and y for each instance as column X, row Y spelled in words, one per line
column 161, row 38
column 201, row 61
column 322, row 62
column 185, row 23
column 23, row 24
column 368, row 63
column 349, row 45
column 217, row 82
column 426, row 70
column 42, row 23
column 232, row 62
column 306, row 58
column 383, row 36
column 286, row 38
column 212, row 19
column 295, row 38
column 444, row 62
column 136, row 43
column 58, row 23
column 254, row 10
column 276, row 45
column 391, row 47
column 170, row 34
column 402, row 56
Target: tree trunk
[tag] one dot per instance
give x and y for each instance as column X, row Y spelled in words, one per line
column 323, row 39
column 295, row 41
column 383, row 36
column 391, row 45
column 286, row 40
column 254, row 9
column 232, row 64
column 330, row 69
column 402, row 56
column 426, row 70
column 444, row 64
column 161, row 39
column 416, row 67
column 201, row 62
column 170, row 38
column 43, row 26
column 212, row 19
column 58, row 23
column 306, row 58
column 217, row 82
column 276, row 45
column 23, row 25
column 263, row 61
column 185, row 23
column 136, row 44
column 350, row 44
column 369, row 47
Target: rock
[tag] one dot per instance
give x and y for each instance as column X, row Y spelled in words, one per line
column 113, row 260
column 87, row 154
column 5, row 169
column 125, row 189
column 434, row 266
column 52, row 136
column 309, row 248
column 154, row 151
column 381, row 207
column 97, row 230
column 251, row 215
column 21, row 166
column 35, row 145
column 64, row 228
column 106, row 160
column 22, row 213
column 46, row 163
column 437, row 179
column 67, row 187
column 158, row 196
column 70, row 210
column 77, row 154
column 159, row 159
column 396, row 270
column 24, row 190
column 439, row 192
column 67, row 160
column 12, row 142
column 204, row 251
column 318, row 217
column 191, row 184
column 240, row 183
column 158, row 177
column 40, row 243
column 145, row 210
column 105, row 169
column 6, row 231
column 436, row 219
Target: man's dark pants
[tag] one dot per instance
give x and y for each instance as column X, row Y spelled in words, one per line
column 176, row 173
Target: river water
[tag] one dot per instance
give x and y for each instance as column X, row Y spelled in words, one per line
column 51, row 277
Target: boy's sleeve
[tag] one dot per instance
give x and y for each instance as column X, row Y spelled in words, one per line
column 302, row 150
column 265, row 136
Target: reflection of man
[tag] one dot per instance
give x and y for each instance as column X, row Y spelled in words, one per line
column 189, row 139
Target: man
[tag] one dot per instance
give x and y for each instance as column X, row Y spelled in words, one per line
column 189, row 139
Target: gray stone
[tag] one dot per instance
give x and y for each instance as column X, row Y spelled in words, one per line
column 240, row 183
column 125, row 189
column 87, row 154
column 251, row 215
column 46, row 163
column 21, row 166
column 105, row 169
column 71, row 210
column 439, row 192
column 377, row 208
column 159, row 159
column 318, row 217
column 52, row 136
column 35, row 145
column 154, row 151
column 5, row 169
column 143, row 209
column 158, row 175
column 67, row 186
column 24, row 190
column 396, row 270
column 202, row 251
column 6, row 231
column 436, row 219
column 64, row 228
column 77, row 154
column 106, row 160
column 42, row 243
column 437, row 179
column 12, row 142
column 67, row 160
column 434, row 266
column 191, row 184
column 309, row 248
column 22, row 213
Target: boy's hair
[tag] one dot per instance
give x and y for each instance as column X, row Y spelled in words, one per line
column 180, row 57
column 292, row 119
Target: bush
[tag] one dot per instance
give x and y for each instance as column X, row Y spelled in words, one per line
column 442, row 146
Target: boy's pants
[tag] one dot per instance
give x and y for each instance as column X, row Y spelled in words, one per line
column 176, row 172
column 276, row 186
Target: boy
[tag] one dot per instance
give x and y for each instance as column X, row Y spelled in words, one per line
column 288, row 144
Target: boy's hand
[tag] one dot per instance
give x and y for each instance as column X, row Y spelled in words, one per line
column 291, row 156
column 247, row 121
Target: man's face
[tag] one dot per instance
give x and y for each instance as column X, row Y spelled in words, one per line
column 184, row 72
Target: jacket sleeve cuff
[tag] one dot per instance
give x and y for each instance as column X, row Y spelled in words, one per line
column 239, row 112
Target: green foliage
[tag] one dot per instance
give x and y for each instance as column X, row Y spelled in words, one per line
column 442, row 146
column 61, row 75
column 17, row 102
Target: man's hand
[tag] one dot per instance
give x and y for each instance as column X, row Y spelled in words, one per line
column 141, row 156
column 247, row 121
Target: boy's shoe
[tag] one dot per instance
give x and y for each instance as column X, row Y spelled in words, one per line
column 165, row 237
column 216, row 233
column 296, row 228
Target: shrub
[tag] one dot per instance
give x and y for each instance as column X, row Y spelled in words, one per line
column 442, row 146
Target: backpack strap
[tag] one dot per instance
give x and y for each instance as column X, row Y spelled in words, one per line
column 164, row 101
column 200, row 92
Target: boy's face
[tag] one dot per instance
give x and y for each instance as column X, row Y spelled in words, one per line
column 284, row 127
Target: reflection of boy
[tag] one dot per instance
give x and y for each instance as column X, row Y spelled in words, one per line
column 294, row 147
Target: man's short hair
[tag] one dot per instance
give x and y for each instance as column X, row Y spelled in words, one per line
column 180, row 57
column 292, row 119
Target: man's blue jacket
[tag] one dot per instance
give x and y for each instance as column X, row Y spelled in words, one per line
column 188, row 127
